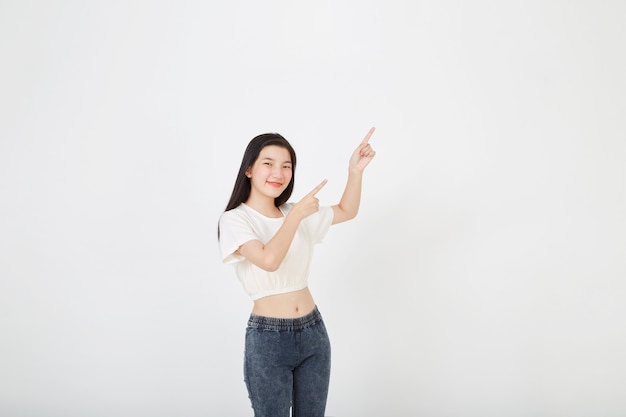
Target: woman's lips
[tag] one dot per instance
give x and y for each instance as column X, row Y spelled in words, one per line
column 275, row 184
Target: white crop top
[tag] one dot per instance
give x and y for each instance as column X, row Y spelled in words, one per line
column 243, row 223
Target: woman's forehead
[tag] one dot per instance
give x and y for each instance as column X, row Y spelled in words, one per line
column 275, row 152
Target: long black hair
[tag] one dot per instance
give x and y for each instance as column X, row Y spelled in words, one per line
column 242, row 188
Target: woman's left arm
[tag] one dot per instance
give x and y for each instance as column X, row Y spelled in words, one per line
column 348, row 207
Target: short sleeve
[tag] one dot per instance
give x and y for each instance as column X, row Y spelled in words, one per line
column 235, row 230
column 319, row 223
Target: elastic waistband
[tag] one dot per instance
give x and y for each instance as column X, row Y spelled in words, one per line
column 281, row 325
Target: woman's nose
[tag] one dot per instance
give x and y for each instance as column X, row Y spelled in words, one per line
column 277, row 172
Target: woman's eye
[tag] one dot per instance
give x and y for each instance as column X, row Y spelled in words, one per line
column 266, row 163
column 287, row 167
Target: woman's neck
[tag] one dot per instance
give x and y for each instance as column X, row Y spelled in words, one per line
column 265, row 206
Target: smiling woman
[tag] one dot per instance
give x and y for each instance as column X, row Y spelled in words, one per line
column 269, row 176
column 270, row 241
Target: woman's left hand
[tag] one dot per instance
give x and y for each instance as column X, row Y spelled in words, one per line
column 363, row 154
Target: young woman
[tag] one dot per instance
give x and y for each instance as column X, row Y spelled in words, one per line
column 270, row 242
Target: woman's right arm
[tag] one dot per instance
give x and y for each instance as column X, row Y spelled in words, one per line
column 269, row 256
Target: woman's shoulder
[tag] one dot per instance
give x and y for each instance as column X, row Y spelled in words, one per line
column 234, row 213
column 286, row 207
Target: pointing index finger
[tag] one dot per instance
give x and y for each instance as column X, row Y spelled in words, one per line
column 369, row 135
column 318, row 188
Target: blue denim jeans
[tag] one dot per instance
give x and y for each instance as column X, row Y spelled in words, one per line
column 287, row 364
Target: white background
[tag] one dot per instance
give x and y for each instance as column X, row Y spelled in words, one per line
column 483, row 277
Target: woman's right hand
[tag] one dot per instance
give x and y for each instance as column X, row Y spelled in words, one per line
column 309, row 204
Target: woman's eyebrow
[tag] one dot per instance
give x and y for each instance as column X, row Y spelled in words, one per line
column 272, row 159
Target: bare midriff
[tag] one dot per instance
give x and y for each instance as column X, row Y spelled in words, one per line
column 285, row 306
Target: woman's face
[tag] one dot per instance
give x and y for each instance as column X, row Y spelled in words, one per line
column 271, row 172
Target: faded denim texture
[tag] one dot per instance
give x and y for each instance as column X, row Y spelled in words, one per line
column 287, row 364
